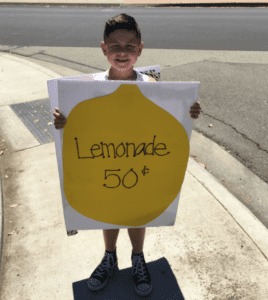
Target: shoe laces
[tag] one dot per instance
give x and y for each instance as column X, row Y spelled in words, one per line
column 100, row 271
column 139, row 268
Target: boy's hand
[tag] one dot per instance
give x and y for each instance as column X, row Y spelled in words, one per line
column 59, row 120
column 195, row 110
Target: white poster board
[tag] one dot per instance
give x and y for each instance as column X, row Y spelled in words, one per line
column 123, row 153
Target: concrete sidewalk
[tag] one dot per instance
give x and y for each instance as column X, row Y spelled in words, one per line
column 217, row 248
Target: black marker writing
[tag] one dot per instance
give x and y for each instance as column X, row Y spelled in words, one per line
column 122, row 149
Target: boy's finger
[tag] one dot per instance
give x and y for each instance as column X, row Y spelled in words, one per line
column 59, row 122
column 59, row 116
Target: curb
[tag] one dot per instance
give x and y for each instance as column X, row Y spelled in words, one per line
column 247, row 221
column 38, row 67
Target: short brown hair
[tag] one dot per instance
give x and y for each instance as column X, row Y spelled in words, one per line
column 122, row 21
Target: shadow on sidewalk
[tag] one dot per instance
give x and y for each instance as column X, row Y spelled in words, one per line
column 121, row 286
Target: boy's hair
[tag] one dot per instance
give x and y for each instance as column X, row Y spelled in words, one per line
column 122, row 21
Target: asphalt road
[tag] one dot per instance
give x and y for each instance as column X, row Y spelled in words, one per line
column 229, row 29
column 235, row 97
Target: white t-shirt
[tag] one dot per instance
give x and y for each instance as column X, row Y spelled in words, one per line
column 104, row 76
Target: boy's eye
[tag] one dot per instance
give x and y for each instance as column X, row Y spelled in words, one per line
column 127, row 45
column 117, row 48
column 118, row 45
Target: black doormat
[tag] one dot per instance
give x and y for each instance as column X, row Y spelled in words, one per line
column 121, row 286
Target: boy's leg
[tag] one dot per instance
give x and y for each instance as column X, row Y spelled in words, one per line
column 110, row 238
column 137, row 238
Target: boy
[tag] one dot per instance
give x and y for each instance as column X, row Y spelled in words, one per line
column 122, row 45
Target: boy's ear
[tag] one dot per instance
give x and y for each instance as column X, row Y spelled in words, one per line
column 141, row 47
column 103, row 47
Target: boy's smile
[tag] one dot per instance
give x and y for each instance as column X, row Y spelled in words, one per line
column 122, row 50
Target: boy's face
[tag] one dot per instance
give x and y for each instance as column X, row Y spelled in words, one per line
column 123, row 45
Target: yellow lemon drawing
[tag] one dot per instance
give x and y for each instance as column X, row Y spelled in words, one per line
column 124, row 158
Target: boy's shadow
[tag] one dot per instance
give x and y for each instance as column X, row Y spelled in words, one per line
column 121, row 286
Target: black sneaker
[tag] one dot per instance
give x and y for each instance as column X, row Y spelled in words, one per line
column 141, row 276
column 106, row 269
